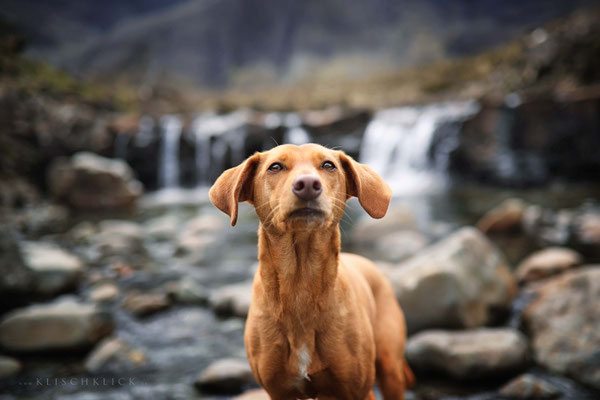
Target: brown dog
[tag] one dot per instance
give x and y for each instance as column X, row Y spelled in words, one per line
column 321, row 323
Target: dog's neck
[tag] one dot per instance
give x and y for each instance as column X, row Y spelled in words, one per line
column 298, row 271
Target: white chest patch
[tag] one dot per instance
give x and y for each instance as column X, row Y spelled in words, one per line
column 303, row 362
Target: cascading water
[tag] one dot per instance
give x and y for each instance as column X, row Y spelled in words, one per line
column 397, row 144
column 294, row 133
column 168, row 171
column 230, row 133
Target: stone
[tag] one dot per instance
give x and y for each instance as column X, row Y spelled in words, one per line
column 42, row 219
column 104, row 292
column 64, row 325
column 54, row 269
column 368, row 231
column 118, row 237
column 89, row 181
column 9, row 367
column 225, row 376
column 467, row 355
column 162, row 228
column 143, row 304
column 527, row 386
column 199, row 235
column 232, row 299
column 187, row 291
column 462, row 281
column 588, row 228
column 398, row 246
column 15, row 277
column 113, row 355
column 564, row 324
column 547, row 262
column 506, row 217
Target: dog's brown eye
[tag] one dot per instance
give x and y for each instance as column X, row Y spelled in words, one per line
column 328, row 165
column 275, row 167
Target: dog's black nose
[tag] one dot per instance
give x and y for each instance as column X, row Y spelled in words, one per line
column 307, row 187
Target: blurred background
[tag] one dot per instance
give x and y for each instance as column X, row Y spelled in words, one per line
column 116, row 117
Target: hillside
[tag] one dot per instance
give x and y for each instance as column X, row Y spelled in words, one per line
column 254, row 42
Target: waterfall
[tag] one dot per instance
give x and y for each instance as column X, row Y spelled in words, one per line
column 214, row 135
column 294, row 133
column 397, row 144
column 169, row 151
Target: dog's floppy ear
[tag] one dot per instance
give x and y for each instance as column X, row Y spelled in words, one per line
column 233, row 186
column 361, row 181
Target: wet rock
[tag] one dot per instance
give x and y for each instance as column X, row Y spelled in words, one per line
column 225, row 376
column 462, row 281
column 398, row 246
column 88, row 181
column 143, row 304
column 528, row 386
column 14, row 276
column 113, row 355
column 162, row 228
column 564, row 324
column 187, row 291
column 104, row 292
column 42, row 219
column 368, row 231
column 253, row 394
column 9, row 367
column 506, row 217
column 58, row 326
column 480, row 353
column 232, row 299
column 118, row 237
column 588, row 228
column 54, row 269
column 197, row 241
column 547, row 262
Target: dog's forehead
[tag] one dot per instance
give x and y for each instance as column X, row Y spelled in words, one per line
column 292, row 153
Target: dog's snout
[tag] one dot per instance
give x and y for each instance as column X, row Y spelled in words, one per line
column 307, row 187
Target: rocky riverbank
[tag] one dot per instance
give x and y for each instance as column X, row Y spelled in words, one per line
column 152, row 299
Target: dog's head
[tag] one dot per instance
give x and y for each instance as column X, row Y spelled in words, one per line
column 300, row 187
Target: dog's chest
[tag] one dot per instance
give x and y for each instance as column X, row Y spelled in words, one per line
column 303, row 360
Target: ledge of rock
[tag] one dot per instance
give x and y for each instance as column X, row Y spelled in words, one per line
column 462, row 281
column 56, row 326
column 88, row 181
column 564, row 324
column 481, row 353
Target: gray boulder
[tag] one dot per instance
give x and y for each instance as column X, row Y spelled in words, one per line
column 89, row 181
column 462, row 281
column 465, row 355
column 398, row 246
column 56, row 326
column 564, row 324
